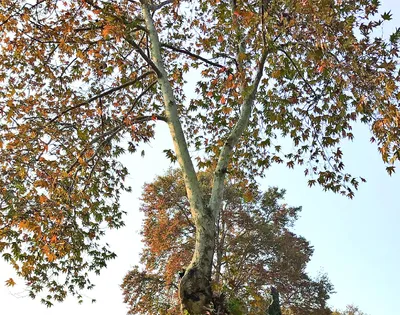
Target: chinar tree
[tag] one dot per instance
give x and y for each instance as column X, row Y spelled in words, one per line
column 83, row 81
column 256, row 253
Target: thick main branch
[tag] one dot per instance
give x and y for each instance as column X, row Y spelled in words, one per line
column 171, row 110
column 233, row 138
column 195, row 286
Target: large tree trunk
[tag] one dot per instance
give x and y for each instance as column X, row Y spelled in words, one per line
column 195, row 286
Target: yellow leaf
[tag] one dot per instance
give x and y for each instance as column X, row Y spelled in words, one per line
column 227, row 110
column 10, row 282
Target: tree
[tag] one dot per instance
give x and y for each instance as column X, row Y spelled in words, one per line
column 83, row 81
column 350, row 310
column 255, row 250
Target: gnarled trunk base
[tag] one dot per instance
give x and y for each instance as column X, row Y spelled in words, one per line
column 195, row 292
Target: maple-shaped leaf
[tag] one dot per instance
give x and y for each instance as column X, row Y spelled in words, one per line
column 387, row 16
column 10, row 282
column 390, row 170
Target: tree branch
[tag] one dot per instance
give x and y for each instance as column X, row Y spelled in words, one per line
column 143, row 55
column 155, row 7
column 187, row 52
column 233, row 138
column 102, row 94
column 299, row 72
column 178, row 137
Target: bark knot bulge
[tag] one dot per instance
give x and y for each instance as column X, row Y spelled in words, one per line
column 195, row 292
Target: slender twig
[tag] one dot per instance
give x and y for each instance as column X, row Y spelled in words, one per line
column 156, row 7
column 102, row 94
column 143, row 55
column 299, row 72
column 187, row 52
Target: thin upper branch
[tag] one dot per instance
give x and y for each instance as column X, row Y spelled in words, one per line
column 187, row 52
column 156, row 7
column 102, row 94
column 233, row 138
column 299, row 72
column 143, row 55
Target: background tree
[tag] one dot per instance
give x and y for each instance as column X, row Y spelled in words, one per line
column 255, row 250
column 350, row 310
column 78, row 77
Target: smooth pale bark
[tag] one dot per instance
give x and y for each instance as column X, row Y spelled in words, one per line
column 195, row 286
column 220, row 171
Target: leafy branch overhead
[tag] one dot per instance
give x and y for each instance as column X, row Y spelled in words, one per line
column 83, row 82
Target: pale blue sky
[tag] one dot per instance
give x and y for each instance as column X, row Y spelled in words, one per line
column 357, row 242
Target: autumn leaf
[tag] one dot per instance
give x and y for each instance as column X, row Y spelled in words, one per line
column 391, row 170
column 42, row 199
column 223, row 100
column 10, row 282
column 106, row 30
column 248, row 196
column 227, row 110
column 51, row 257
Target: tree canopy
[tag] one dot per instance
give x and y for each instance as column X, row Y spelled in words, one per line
column 350, row 310
column 84, row 81
column 255, row 250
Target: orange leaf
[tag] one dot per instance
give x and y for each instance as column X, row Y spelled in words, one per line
column 223, row 100
column 10, row 282
column 23, row 225
column 53, row 239
column 42, row 199
column 106, row 30
column 51, row 257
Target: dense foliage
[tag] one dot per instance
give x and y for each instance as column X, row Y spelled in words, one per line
column 83, row 81
column 255, row 250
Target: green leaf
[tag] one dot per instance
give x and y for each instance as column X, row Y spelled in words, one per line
column 387, row 16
